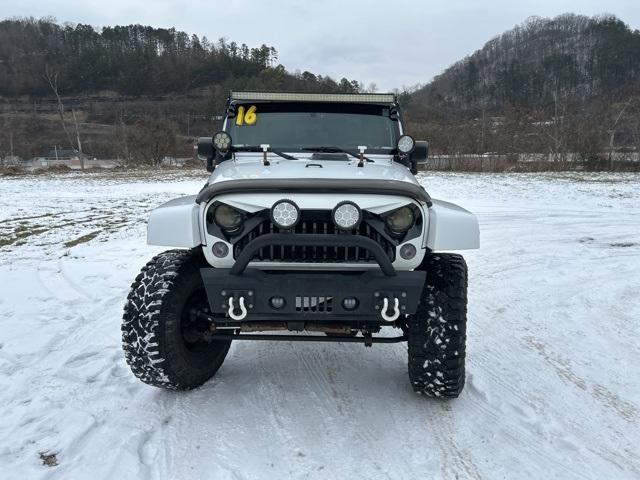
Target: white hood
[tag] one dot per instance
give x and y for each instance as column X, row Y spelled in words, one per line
column 250, row 167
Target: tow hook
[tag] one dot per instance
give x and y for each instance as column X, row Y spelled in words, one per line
column 396, row 310
column 231, row 311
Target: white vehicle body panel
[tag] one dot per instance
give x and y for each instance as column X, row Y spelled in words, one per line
column 452, row 228
column 180, row 222
column 175, row 224
column 254, row 202
column 249, row 166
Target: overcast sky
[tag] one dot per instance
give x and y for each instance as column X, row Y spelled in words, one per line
column 393, row 43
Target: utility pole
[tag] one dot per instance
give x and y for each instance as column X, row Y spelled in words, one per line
column 482, row 134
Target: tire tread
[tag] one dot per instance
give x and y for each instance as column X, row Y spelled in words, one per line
column 437, row 332
column 144, row 325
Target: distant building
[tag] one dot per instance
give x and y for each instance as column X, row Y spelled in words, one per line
column 10, row 160
column 68, row 157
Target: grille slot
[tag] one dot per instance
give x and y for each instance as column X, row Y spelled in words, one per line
column 312, row 254
column 312, row 303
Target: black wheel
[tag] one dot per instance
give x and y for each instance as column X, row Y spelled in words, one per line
column 161, row 338
column 437, row 332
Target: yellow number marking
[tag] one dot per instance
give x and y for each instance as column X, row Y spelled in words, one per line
column 240, row 116
column 247, row 117
column 250, row 117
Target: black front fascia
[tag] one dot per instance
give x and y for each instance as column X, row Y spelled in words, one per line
column 315, row 185
column 314, row 297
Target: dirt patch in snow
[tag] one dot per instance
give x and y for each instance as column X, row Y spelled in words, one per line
column 49, row 459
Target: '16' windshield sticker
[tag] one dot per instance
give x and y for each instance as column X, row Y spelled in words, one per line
column 246, row 117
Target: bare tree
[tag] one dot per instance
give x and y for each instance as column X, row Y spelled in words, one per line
column 555, row 130
column 612, row 132
column 52, row 78
column 123, row 141
column 634, row 124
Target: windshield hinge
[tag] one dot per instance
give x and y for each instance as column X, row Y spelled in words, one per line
column 265, row 149
column 361, row 149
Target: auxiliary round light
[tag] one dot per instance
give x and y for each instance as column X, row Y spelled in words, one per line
column 400, row 220
column 406, row 144
column 408, row 251
column 347, row 215
column 220, row 249
column 350, row 303
column 285, row 214
column 222, row 141
column 277, row 302
column 228, row 218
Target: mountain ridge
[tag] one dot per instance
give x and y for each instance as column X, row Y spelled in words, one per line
column 541, row 59
column 564, row 87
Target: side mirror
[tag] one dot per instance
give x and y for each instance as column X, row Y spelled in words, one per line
column 419, row 155
column 420, row 152
column 206, row 151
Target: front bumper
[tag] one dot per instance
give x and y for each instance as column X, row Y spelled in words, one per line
column 312, row 297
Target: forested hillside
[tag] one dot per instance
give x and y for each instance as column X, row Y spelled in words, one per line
column 121, row 83
column 136, row 60
column 540, row 60
column 570, row 84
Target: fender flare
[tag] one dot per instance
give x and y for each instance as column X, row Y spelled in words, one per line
column 451, row 227
column 175, row 224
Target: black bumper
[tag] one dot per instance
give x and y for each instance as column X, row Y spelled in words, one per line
column 316, row 297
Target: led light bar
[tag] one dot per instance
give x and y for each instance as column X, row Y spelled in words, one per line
column 378, row 98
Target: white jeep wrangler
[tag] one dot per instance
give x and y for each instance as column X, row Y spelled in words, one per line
column 311, row 220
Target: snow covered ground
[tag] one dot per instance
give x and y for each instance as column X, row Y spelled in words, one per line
column 553, row 389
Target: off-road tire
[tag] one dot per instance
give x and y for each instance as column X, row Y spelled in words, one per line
column 437, row 332
column 152, row 338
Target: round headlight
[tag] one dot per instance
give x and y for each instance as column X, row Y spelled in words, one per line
column 406, row 144
column 285, row 214
column 222, row 141
column 401, row 220
column 346, row 215
column 228, row 218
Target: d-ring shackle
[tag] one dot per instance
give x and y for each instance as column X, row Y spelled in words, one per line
column 396, row 310
column 243, row 310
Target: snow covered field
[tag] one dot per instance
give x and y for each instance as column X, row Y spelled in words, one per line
column 553, row 389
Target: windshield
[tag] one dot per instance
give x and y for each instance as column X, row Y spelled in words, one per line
column 296, row 126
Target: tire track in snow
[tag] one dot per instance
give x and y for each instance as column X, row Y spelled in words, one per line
column 455, row 461
column 625, row 409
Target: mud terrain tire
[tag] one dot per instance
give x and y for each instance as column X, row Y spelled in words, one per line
column 437, row 332
column 155, row 317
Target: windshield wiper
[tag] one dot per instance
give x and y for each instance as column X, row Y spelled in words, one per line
column 329, row 149
column 252, row 148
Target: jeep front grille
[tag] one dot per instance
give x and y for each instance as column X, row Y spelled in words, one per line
column 311, row 254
